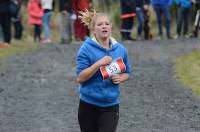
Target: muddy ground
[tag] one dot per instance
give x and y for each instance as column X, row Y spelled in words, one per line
column 38, row 91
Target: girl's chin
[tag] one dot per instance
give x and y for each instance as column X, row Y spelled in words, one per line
column 105, row 35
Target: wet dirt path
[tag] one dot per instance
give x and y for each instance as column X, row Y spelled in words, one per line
column 38, row 91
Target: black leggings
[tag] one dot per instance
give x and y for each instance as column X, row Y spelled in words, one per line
column 37, row 32
column 97, row 119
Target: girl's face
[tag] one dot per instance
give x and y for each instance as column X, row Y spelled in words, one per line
column 102, row 28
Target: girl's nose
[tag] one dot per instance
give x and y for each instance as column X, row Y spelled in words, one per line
column 104, row 25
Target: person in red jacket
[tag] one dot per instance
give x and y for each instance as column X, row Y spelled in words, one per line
column 81, row 31
column 35, row 13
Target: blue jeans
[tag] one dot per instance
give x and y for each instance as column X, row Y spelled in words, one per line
column 140, row 17
column 46, row 24
column 182, row 18
column 163, row 10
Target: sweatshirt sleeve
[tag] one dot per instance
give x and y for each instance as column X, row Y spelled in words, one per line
column 82, row 60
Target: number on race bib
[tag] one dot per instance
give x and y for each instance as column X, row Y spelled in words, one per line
column 116, row 67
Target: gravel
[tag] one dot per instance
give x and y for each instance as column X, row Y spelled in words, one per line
column 39, row 92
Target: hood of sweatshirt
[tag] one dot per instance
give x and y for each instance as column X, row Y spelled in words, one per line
column 92, row 41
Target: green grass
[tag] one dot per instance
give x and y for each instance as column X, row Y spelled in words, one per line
column 188, row 71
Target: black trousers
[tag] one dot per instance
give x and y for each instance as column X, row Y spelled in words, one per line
column 5, row 22
column 126, row 27
column 18, row 29
column 97, row 119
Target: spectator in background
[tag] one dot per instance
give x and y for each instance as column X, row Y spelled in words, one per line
column 182, row 17
column 65, row 8
column 147, row 27
column 5, row 22
column 127, row 16
column 81, row 31
column 35, row 13
column 17, row 22
column 47, row 6
column 141, row 9
column 197, row 18
column 162, row 7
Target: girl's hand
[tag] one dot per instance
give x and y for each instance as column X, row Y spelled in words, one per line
column 105, row 60
column 116, row 79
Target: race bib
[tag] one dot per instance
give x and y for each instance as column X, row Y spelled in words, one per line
column 116, row 67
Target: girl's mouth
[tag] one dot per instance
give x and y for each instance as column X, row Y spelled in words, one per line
column 105, row 31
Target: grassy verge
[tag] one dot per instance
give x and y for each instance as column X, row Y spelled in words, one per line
column 188, row 71
column 17, row 47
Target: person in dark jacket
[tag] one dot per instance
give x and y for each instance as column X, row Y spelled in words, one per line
column 5, row 20
column 127, row 16
column 65, row 8
column 162, row 7
column 182, row 17
column 141, row 11
column 17, row 22
column 197, row 18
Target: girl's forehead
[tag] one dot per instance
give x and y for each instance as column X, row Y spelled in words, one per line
column 103, row 18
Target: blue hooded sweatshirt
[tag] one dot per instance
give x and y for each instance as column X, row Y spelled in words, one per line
column 184, row 3
column 97, row 91
column 162, row 2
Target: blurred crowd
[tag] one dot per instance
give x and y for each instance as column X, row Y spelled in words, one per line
column 162, row 9
column 71, row 28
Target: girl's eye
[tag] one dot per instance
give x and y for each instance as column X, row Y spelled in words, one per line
column 99, row 24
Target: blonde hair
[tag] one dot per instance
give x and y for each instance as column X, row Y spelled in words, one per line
column 88, row 18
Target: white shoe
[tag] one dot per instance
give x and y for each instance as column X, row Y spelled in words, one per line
column 176, row 36
column 139, row 37
column 158, row 38
column 45, row 41
column 187, row 36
